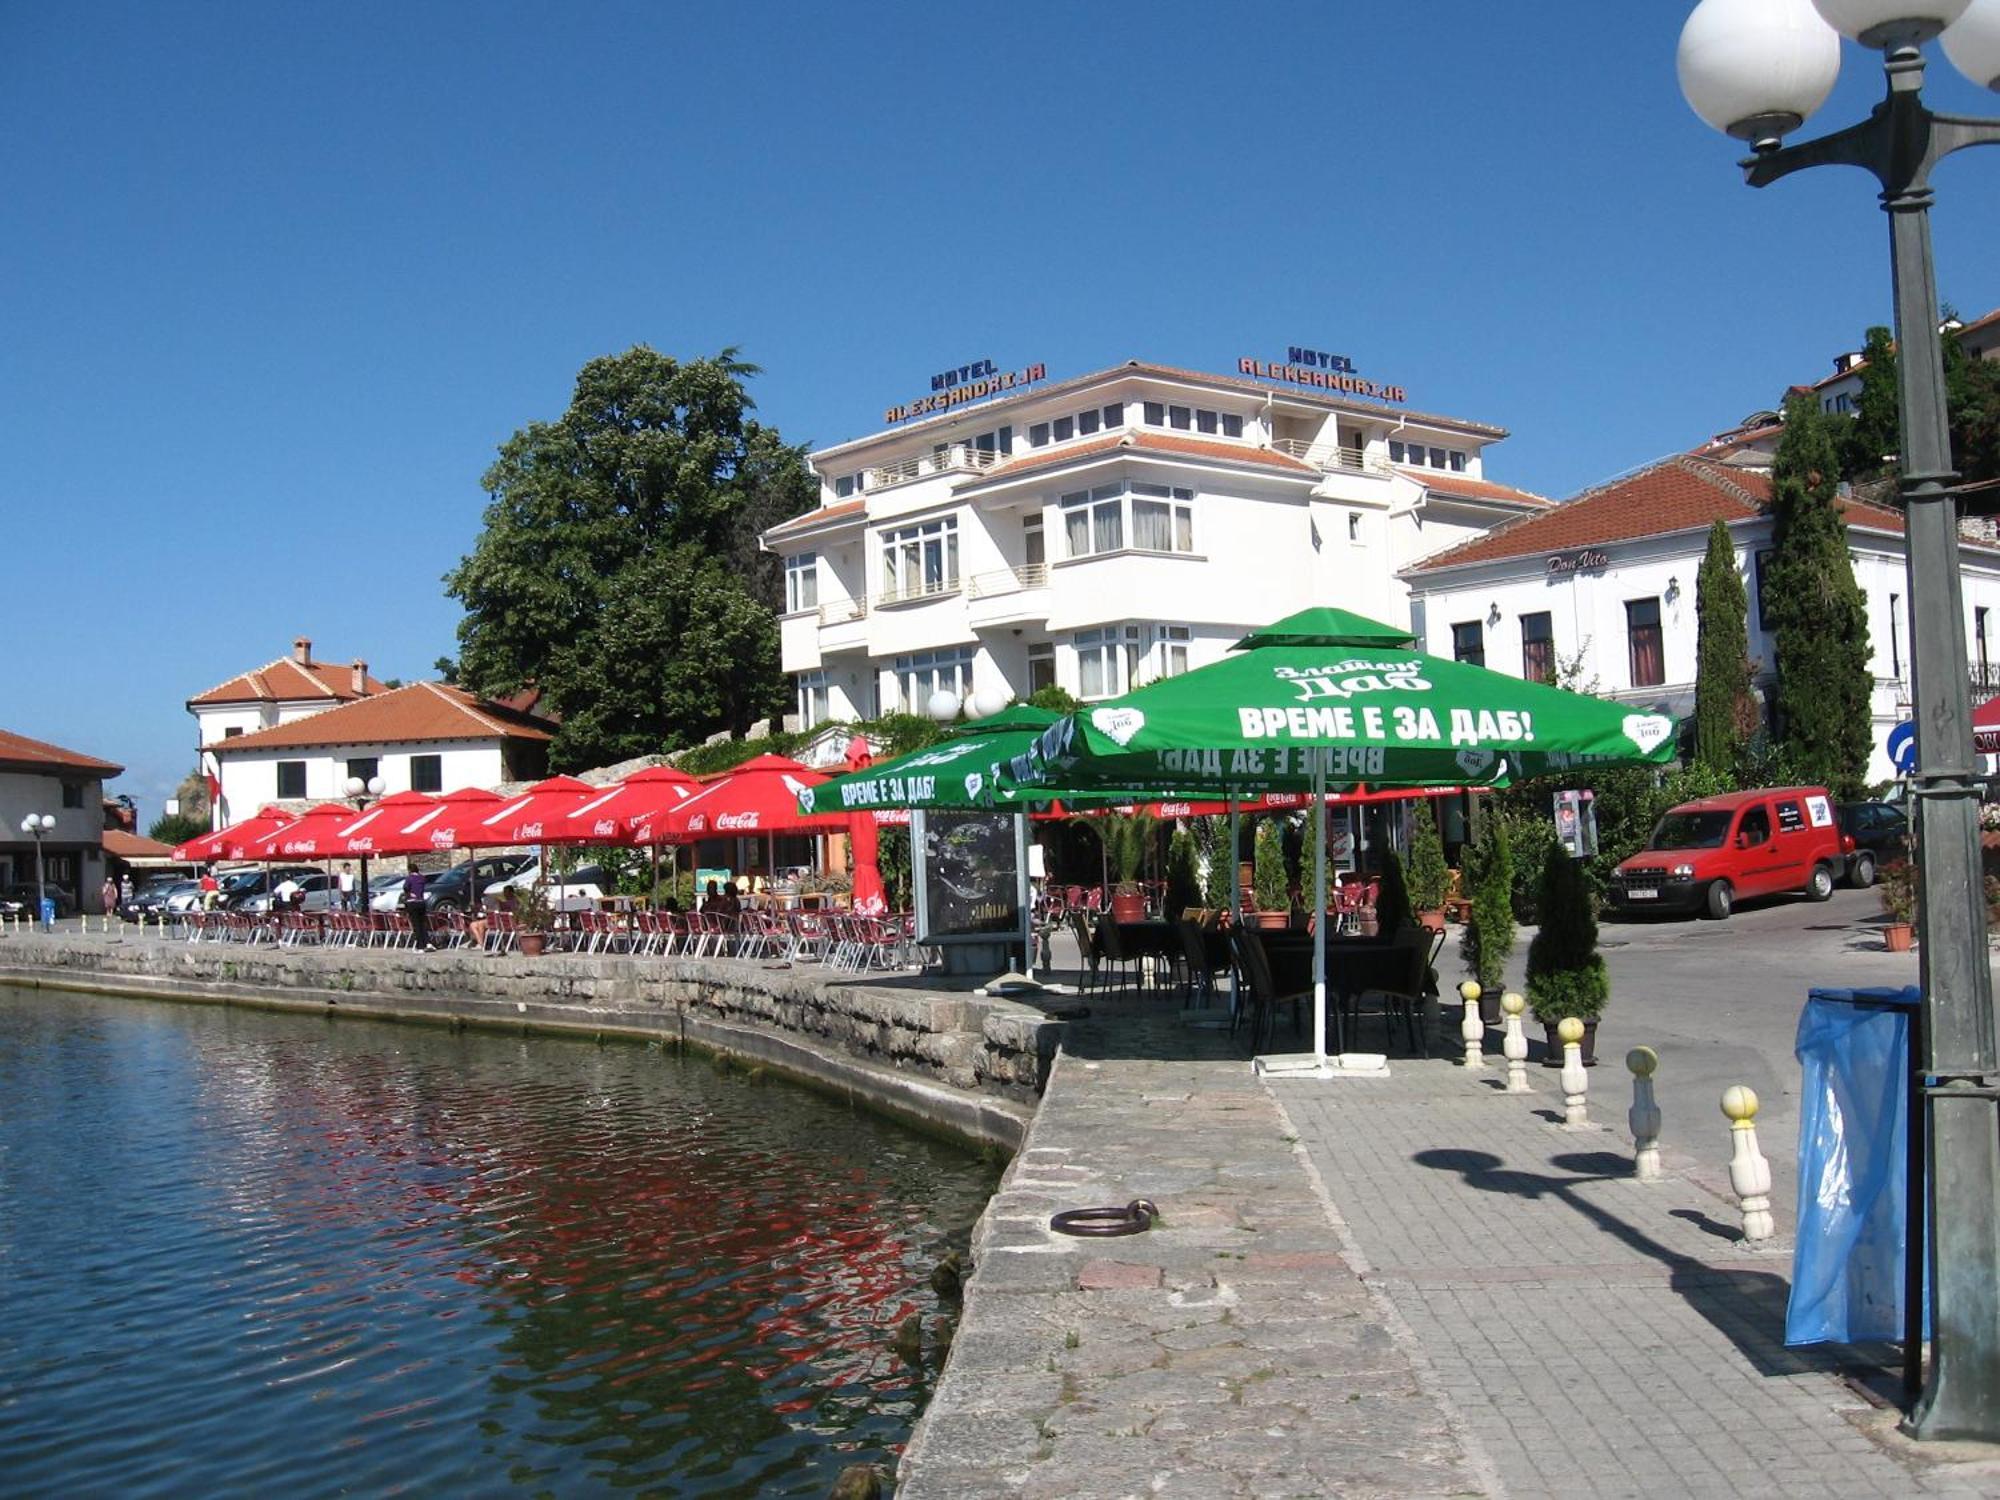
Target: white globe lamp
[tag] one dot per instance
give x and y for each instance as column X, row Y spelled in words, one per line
column 942, row 705
column 1888, row 23
column 985, row 703
column 1972, row 42
column 1757, row 69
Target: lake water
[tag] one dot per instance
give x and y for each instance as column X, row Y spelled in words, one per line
column 245, row 1253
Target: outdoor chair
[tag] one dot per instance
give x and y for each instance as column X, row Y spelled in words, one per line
column 1086, row 949
column 1253, row 966
column 1201, row 959
column 1396, row 974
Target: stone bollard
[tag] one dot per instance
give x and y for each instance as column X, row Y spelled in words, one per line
column 1644, row 1116
column 1514, row 1046
column 1575, row 1081
column 1749, row 1172
column 1472, row 1030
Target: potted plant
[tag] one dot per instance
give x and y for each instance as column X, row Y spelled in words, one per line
column 1268, row 883
column 1183, row 876
column 1429, row 876
column 1896, row 885
column 1392, row 900
column 1566, row 974
column 535, row 916
column 1488, row 940
column 1126, row 838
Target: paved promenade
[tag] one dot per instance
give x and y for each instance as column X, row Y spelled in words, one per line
column 1410, row 1286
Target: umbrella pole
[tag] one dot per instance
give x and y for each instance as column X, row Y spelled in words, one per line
column 1319, row 908
column 1235, row 904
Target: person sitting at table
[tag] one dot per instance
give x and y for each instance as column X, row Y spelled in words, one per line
column 711, row 898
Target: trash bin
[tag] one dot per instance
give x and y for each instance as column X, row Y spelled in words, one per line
column 48, row 911
column 1848, row 1283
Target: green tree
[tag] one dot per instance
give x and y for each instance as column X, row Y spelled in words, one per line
column 1566, row 973
column 618, row 569
column 1814, row 609
column 1870, row 441
column 177, row 828
column 1724, row 710
column 1183, row 876
column 1972, row 391
column 1488, row 940
column 1428, row 875
column 1267, row 868
column 1392, row 901
column 1054, row 698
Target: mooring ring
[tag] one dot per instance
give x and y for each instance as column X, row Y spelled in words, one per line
column 1135, row 1217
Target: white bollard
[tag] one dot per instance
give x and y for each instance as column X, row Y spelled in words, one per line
column 1514, row 1045
column 1749, row 1172
column 1575, row 1081
column 1472, row 1030
column 1644, row 1116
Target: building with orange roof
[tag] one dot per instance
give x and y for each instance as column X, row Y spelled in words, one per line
column 1002, row 534
column 67, row 785
column 426, row 737
column 1600, row 590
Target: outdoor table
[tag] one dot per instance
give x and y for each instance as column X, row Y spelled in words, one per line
column 1149, row 938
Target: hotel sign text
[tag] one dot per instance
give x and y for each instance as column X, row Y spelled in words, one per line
column 973, row 382
column 1325, row 372
column 1585, row 561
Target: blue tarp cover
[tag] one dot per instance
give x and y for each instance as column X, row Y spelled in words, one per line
column 1847, row 1258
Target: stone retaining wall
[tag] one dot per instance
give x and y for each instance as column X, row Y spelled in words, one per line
column 961, row 1063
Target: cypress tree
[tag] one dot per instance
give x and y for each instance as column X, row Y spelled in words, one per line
column 1815, row 611
column 1722, row 663
column 1428, row 876
column 1875, row 432
column 1489, row 928
column 1392, row 902
column 1566, row 974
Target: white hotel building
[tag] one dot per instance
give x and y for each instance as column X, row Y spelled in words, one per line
column 1100, row 532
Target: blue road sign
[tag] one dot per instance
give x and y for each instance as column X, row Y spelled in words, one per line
column 1902, row 746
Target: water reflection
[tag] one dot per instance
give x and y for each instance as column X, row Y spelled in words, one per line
column 246, row 1251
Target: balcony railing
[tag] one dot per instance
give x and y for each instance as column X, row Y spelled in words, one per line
column 1985, row 677
column 1329, row 458
column 954, row 458
column 843, row 611
column 917, row 592
column 1009, row 581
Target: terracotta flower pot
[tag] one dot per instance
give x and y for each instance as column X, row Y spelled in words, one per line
column 1128, row 907
column 1274, row 921
column 1433, row 921
column 532, row 943
column 1898, row 936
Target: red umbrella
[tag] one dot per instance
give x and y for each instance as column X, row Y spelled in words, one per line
column 454, row 821
column 234, row 841
column 528, row 817
column 869, row 899
column 759, row 796
column 380, row 830
column 630, row 812
column 314, row 834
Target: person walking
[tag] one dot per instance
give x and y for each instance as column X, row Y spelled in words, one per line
column 417, row 907
column 110, row 895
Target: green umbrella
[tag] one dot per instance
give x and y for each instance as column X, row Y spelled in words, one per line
column 1324, row 697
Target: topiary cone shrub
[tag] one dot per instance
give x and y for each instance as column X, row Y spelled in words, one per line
column 1566, row 974
column 1488, row 941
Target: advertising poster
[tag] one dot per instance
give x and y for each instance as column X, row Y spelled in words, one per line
column 970, row 875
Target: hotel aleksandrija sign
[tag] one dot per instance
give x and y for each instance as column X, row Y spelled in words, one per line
column 973, row 382
column 1322, row 371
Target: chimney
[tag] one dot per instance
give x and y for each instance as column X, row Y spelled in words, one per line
column 302, row 651
column 360, row 678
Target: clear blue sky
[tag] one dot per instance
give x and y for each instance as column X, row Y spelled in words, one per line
column 276, row 279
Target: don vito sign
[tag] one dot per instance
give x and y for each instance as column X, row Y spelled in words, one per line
column 1586, row 561
column 973, row 382
column 1322, row 371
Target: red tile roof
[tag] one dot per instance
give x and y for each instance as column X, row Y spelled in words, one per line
column 407, row 715
column 1152, row 442
column 818, row 517
column 18, row 752
column 1465, row 487
column 122, row 845
column 288, row 680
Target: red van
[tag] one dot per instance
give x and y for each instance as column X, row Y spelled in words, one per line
column 1705, row 856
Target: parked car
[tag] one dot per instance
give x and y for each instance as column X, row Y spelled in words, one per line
column 318, row 884
column 151, row 895
column 580, row 890
column 238, row 886
column 453, row 887
column 1706, row 856
column 385, row 892
column 1873, row 834
column 19, row 900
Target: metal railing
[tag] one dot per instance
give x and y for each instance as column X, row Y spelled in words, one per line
column 1009, row 580
column 955, row 458
column 843, row 611
column 918, row 591
column 1983, row 676
column 1329, row 458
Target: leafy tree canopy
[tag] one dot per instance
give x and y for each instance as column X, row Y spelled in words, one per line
column 618, row 568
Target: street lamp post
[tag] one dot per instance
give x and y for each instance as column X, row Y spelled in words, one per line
column 1757, row 69
column 39, row 826
column 361, row 793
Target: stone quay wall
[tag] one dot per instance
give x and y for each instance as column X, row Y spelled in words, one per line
column 962, row 1064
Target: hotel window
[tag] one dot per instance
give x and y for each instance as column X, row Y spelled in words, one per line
column 1094, row 520
column 1895, row 635
column 1162, row 518
column 1354, row 525
column 815, row 699
column 1001, row 440
column 843, row 487
column 1395, row 451
column 232, row 731
column 291, row 778
column 1205, row 421
column 1173, row 641
column 926, row 672
column 1155, row 414
column 364, row 768
column 72, row 794
column 920, row 560
column 1038, row 434
column 1437, row 458
column 1065, row 429
column 1468, row 643
column 1087, row 422
column 1114, row 414
column 802, row 582
column 1106, row 660
column 1041, row 668
column 426, row 773
column 1457, row 461
column 1642, row 633
column 1180, row 418
column 1538, row 648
